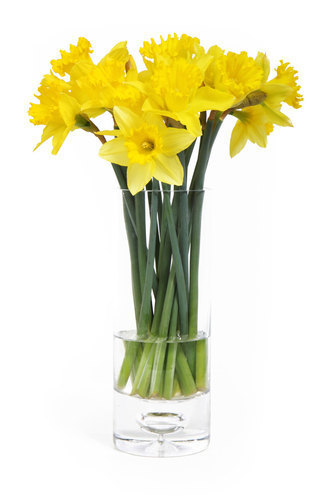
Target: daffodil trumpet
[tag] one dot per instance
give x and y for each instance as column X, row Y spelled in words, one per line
column 157, row 115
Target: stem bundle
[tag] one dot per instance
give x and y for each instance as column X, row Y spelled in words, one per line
column 169, row 357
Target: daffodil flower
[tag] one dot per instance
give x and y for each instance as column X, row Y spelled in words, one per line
column 147, row 148
column 175, row 90
column 174, row 81
column 91, row 90
column 251, row 125
column 257, row 101
column 79, row 52
column 101, row 86
column 255, row 123
column 57, row 110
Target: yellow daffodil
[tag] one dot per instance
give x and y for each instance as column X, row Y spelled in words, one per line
column 101, row 86
column 175, row 90
column 57, row 110
column 147, row 148
column 79, row 52
column 91, row 89
column 241, row 75
column 257, row 101
column 174, row 81
column 251, row 125
column 255, row 123
column 237, row 74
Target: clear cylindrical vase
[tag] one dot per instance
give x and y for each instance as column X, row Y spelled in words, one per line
column 162, row 320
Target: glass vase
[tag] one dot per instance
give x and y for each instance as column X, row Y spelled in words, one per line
column 162, row 323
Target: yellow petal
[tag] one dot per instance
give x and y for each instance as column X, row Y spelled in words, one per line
column 92, row 109
column 138, row 176
column 59, row 137
column 132, row 73
column 126, row 119
column 136, row 84
column 69, row 108
column 238, row 139
column 263, row 61
column 176, row 140
column 49, row 131
column 115, row 151
column 176, row 102
column 118, row 52
column 203, row 61
column 275, row 116
column 168, row 169
column 155, row 106
column 257, row 134
column 191, row 121
column 80, row 69
column 154, row 119
column 276, row 92
column 207, row 98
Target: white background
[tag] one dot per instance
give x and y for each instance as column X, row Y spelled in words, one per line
column 272, row 330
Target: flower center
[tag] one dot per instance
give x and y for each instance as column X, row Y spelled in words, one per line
column 143, row 143
column 147, row 146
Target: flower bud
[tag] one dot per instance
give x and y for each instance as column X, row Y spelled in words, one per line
column 252, row 99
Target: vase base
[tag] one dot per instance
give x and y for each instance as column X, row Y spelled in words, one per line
column 160, row 447
column 161, row 428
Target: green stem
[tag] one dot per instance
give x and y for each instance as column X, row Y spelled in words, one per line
column 157, row 370
column 184, row 375
column 147, row 346
column 163, row 273
column 203, row 157
column 170, row 370
column 143, row 326
column 140, row 219
column 135, row 365
column 169, row 378
column 183, row 221
column 176, row 387
column 159, row 212
column 201, row 364
column 188, row 153
column 180, row 278
column 194, row 263
column 197, row 351
column 144, row 381
column 197, row 197
column 196, row 203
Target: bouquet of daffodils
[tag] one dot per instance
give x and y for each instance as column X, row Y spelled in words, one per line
column 156, row 115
